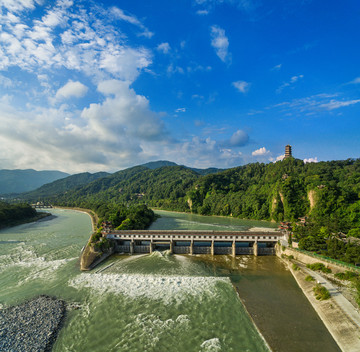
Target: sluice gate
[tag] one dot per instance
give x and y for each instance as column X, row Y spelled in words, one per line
column 195, row 242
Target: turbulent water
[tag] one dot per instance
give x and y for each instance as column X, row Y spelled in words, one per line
column 158, row 302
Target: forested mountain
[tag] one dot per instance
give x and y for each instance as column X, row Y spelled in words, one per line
column 327, row 192
column 61, row 186
column 157, row 164
column 139, row 184
column 18, row 181
column 11, row 214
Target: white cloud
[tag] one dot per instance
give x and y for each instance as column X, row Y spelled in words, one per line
column 239, row 139
column 277, row 67
column 208, row 5
column 260, row 152
column 220, row 43
column 120, row 14
column 203, row 12
column 109, row 135
column 180, row 110
column 336, row 104
column 241, row 86
column 72, row 89
column 6, row 82
column 67, row 36
column 203, row 153
column 18, row 5
column 292, row 81
column 171, row 69
column 164, row 48
column 280, row 157
column 355, row 81
column 311, row 160
column 314, row 104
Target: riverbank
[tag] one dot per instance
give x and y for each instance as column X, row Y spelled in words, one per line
column 39, row 216
column 273, row 222
column 91, row 213
column 89, row 258
column 339, row 316
column 31, row 326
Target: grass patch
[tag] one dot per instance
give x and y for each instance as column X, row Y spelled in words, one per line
column 321, row 292
column 347, row 275
column 295, row 267
column 309, row 278
column 320, row 267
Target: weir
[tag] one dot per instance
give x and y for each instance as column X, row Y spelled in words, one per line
column 195, row 242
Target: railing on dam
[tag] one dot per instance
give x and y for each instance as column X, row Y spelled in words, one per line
column 195, row 242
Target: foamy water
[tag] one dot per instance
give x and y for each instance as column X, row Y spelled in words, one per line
column 151, row 303
column 168, row 289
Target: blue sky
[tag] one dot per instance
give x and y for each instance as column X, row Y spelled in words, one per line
column 90, row 86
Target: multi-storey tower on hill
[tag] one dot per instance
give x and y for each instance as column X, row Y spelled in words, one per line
column 288, row 152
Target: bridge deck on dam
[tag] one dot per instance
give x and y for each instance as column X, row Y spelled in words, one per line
column 195, row 242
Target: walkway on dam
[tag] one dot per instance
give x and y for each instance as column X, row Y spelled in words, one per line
column 195, row 242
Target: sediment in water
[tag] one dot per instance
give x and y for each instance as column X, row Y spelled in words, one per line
column 32, row 326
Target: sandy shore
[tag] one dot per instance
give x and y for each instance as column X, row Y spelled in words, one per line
column 338, row 314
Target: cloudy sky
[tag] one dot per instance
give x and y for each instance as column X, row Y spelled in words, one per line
column 90, row 86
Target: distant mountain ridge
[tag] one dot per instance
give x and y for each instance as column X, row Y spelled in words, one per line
column 160, row 163
column 63, row 185
column 19, row 181
column 105, row 180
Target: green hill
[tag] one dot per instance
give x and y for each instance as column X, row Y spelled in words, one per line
column 167, row 185
column 157, row 164
column 61, row 186
column 329, row 192
column 18, row 181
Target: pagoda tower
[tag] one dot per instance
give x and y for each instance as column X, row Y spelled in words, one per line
column 288, row 152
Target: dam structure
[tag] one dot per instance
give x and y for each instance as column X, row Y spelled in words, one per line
column 195, row 242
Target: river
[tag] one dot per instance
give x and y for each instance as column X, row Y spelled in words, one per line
column 158, row 302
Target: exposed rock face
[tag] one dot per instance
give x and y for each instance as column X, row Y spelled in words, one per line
column 312, row 198
column 281, row 197
column 190, row 203
column 275, row 202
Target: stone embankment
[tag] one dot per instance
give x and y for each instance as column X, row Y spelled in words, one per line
column 337, row 313
column 31, row 326
column 90, row 258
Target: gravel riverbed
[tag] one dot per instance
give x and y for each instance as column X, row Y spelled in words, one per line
column 31, row 326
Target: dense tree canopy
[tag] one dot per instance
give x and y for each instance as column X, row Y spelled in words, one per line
column 12, row 213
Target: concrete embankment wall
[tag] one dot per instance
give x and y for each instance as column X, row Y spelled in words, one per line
column 307, row 259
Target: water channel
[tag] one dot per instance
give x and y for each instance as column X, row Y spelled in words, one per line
column 159, row 302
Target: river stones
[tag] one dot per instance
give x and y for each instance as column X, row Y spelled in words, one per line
column 31, row 326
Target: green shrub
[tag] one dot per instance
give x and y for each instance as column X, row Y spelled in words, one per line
column 295, row 267
column 321, row 292
column 356, row 283
column 347, row 275
column 309, row 278
column 320, row 267
column 291, row 257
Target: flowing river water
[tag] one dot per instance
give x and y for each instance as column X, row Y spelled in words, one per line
column 159, row 302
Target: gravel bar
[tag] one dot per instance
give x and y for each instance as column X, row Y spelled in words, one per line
column 31, row 326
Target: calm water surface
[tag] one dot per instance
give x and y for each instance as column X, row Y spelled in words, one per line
column 158, row 302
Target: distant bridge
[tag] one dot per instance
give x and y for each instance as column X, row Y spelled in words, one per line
column 42, row 206
column 195, row 242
